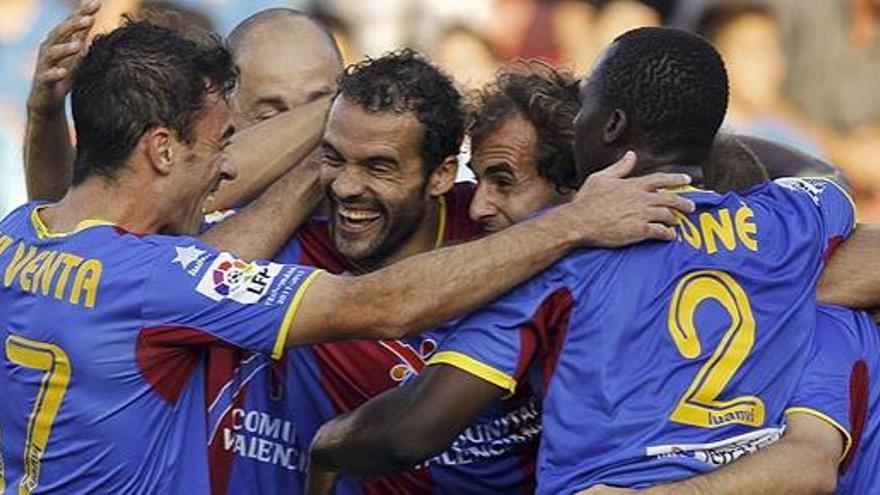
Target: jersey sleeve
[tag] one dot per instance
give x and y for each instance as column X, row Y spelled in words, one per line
column 246, row 304
column 499, row 342
column 834, row 384
column 837, row 211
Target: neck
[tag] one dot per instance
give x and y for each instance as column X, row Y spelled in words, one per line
column 689, row 163
column 423, row 239
column 102, row 199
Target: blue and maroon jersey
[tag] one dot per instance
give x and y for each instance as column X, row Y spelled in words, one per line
column 839, row 385
column 104, row 335
column 264, row 419
column 664, row 360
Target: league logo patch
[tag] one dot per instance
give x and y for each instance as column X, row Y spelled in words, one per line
column 231, row 278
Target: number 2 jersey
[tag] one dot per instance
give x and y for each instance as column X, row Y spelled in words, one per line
column 103, row 336
column 664, row 360
column 264, row 414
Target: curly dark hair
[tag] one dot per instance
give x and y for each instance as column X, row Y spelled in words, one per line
column 548, row 99
column 138, row 77
column 670, row 82
column 404, row 81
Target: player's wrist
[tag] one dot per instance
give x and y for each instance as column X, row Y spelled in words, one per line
column 37, row 109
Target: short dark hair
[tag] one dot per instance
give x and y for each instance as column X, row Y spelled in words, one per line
column 404, row 81
column 670, row 82
column 138, row 77
column 548, row 99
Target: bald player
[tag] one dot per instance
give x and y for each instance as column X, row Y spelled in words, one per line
column 286, row 61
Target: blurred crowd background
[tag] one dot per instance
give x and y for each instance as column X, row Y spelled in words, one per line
column 803, row 72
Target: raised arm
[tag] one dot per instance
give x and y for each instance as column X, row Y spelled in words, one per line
column 423, row 291
column 48, row 151
column 429, row 413
column 266, row 151
column 803, row 462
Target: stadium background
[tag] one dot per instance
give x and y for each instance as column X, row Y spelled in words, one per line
column 804, row 72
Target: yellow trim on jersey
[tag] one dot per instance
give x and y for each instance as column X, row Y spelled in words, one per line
column 827, row 419
column 684, row 189
column 441, row 224
column 278, row 349
column 43, row 232
column 476, row 368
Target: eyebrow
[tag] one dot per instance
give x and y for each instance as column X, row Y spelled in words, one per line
column 270, row 100
column 498, row 168
column 390, row 160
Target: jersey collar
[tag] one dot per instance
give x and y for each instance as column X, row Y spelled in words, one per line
column 43, row 232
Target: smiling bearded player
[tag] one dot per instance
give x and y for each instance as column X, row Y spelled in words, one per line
column 388, row 166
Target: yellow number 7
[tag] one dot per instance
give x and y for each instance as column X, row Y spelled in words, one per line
column 52, row 360
column 700, row 406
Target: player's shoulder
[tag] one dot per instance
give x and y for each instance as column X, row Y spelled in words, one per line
column 798, row 192
column 17, row 221
column 840, row 321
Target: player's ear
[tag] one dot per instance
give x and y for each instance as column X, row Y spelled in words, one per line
column 159, row 143
column 443, row 178
column 615, row 126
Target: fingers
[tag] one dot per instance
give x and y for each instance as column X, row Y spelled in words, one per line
column 89, row 8
column 659, row 232
column 663, row 216
column 52, row 75
column 621, row 168
column 56, row 54
column 78, row 23
column 672, row 200
column 658, row 180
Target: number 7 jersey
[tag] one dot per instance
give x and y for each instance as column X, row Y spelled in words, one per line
column 664, row 360
column 103, row 334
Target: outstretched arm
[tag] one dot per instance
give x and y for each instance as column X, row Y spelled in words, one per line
column 803, row 462
column 48, row 152
column 399, row 428
column 423, row 291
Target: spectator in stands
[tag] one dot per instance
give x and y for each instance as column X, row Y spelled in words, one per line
column 749, row 40
column 466, row 55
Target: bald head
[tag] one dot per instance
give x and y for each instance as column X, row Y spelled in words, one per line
column 286, row 59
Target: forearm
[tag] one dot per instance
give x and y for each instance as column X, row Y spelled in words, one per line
column 402, row 427
column 262, row 228
column 48, row 155
column 423, row 291
column 785, row 468
column 266, row 151
column 365, row 442
column 852, row 276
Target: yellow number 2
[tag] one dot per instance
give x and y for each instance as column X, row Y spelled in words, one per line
column 53, row 361
column 700, row 405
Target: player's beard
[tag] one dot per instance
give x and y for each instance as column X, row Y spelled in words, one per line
column 398, row 224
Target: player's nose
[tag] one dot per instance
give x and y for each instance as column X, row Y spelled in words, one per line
column 228, row 169
column 481, row 206
column 348, row 183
